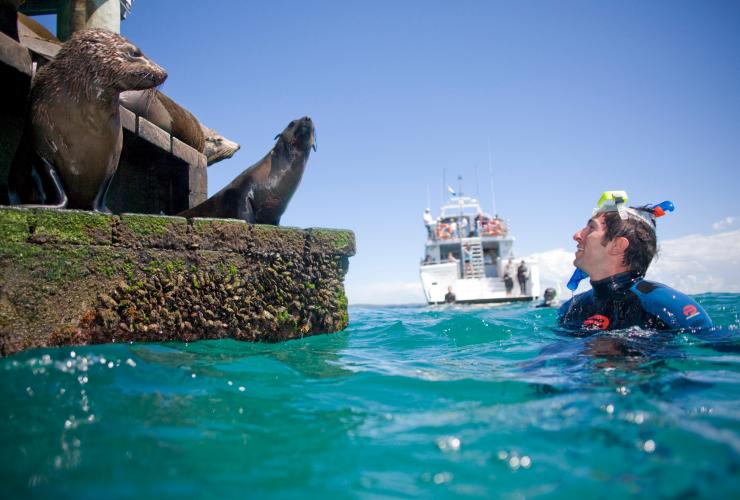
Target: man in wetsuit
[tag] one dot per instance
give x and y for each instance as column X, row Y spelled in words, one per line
column 614, row 250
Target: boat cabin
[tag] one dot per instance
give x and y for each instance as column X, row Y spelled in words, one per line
column 475, row 241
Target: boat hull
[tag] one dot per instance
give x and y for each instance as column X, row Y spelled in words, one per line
column 523, row 298
column 436, row 279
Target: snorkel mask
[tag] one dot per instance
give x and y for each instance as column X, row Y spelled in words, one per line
column 616, row 201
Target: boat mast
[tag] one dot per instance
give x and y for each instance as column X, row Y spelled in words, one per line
column 444, row 185
column 490, row 176
column 477, row 186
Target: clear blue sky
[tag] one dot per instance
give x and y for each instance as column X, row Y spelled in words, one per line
column 575, row 97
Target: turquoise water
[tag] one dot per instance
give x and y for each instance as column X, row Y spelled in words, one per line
column 407, row 402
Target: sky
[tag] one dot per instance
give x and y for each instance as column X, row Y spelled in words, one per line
column 567, row 99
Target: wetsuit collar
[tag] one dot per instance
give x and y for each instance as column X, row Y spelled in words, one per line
column 614, row 284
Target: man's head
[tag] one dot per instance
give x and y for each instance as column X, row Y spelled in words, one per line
column 610, row 244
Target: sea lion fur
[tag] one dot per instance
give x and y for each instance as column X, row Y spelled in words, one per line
column 158, row 108
column 74, row 114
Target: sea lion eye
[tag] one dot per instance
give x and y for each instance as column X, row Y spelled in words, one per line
column 134, row 52
column 291, row 123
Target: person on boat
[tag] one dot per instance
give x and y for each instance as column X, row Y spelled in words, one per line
column 480, row 222
column 467, row 255
column 449, row 296
column 615, row 249
column 453, row 229
column 509, row 269
column 451, row 257
column 522, row 273
column 429, row 223
column 463, row 227
column 508, row 283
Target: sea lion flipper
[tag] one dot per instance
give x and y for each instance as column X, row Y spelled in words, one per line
column 98, row 204
column 248, row 214
column 54, row 194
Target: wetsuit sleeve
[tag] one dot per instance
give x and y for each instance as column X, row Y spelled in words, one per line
column 674, row 308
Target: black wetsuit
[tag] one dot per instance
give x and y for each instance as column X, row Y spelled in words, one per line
column 625, row 300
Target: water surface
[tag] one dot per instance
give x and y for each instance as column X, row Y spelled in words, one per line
column 407, row 402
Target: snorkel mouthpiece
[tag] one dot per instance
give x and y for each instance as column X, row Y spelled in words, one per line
column 578, row 276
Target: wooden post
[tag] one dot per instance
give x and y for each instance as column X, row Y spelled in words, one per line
column 74, row 15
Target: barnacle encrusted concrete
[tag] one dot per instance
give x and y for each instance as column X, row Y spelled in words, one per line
column 69, row 277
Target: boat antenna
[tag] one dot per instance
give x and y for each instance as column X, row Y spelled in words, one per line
column 490, row 175
column 459, row 185
column 444, row 185
column 477, row 186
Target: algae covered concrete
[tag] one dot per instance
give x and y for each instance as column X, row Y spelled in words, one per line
column 72, row 277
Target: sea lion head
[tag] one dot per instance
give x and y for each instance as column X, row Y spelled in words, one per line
column 101, row 61
column 217, row 147
column 298, row 136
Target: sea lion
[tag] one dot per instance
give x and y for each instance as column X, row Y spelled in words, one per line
column 165, row 113
column 217, row 147
column 261, row 193
column 151, row 104
column 74, row 114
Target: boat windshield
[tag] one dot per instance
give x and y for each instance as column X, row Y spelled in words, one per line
column 459, row 206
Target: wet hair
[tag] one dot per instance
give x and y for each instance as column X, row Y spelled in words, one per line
column 643, row 243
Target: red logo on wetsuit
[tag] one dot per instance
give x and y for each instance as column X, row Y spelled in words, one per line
column 690, row 311
column 596, row 322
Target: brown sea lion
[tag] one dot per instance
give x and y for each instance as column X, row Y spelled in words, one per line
column 74, row 114
column 161, row 111
column 217, row 147
column 165, row 113
column 261, row 193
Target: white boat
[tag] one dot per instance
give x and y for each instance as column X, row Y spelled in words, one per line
column 469, row 253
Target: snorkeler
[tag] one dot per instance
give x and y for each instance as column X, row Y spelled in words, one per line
column 614, row 250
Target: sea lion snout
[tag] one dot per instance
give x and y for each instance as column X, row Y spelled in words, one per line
column 143, row 72
column 304, row 132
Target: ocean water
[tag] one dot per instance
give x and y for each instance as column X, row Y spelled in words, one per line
column 414, row 401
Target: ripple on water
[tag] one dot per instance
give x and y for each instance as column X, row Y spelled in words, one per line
column 408, row 401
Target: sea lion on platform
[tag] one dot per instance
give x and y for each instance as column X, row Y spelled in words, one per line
column 261, row 193
column 74, row 115
column 150, row 104
column 217, row 147
column 166, row 114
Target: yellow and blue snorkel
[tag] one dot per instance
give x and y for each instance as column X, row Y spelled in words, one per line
column 616, row 201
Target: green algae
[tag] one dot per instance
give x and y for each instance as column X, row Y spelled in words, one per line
column 121, row 280
column 152, row 225
column 74, row 227
column 14, row 225
column 334, row 240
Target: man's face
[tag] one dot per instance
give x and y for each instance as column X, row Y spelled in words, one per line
column 591, row 254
